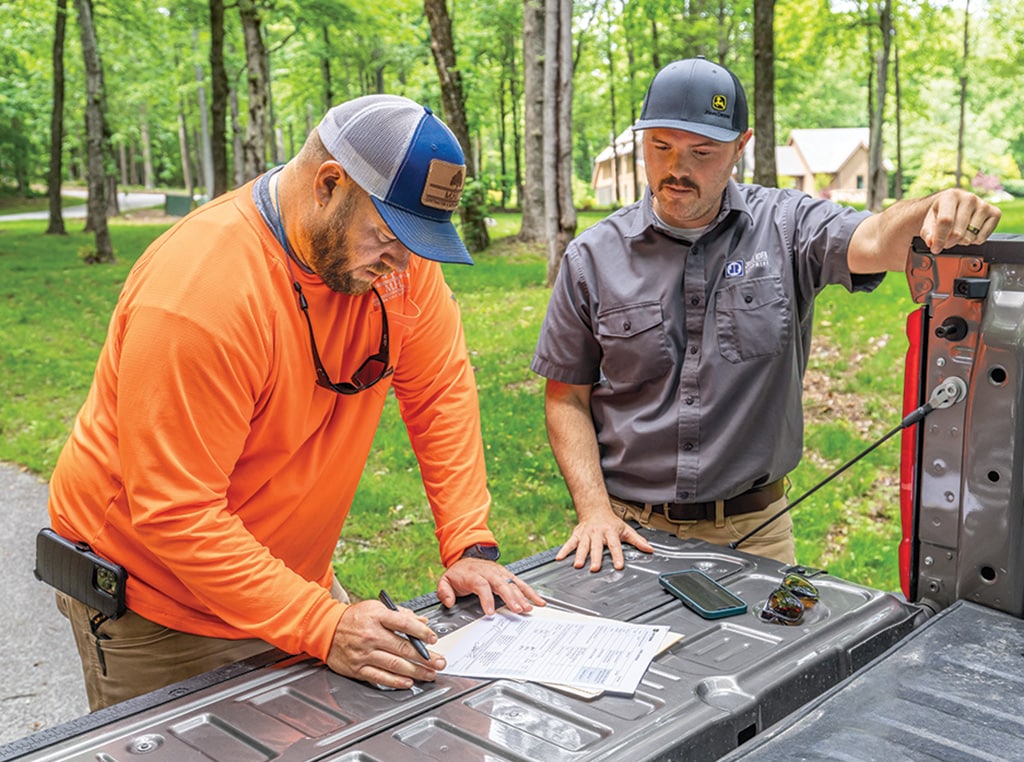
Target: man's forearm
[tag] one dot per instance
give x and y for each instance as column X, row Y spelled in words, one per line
column 944, row 219
column 574, row 444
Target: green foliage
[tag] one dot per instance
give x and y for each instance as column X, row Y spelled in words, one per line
column 823, row 61
column 1014, row 187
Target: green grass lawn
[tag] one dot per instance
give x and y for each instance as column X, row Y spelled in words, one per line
column 53, row 317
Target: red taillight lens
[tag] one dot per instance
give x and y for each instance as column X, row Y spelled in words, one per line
column 913, row 397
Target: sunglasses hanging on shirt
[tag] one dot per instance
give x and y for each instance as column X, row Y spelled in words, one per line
column 375, row 367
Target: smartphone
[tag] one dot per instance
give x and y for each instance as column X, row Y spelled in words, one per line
column 702, row 593
column 73, row 568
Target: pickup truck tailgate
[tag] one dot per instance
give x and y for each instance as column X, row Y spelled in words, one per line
column 722, row 684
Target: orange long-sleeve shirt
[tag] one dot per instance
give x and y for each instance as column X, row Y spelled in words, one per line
column 207, row 462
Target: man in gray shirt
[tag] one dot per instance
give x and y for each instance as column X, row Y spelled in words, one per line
column 678, row 331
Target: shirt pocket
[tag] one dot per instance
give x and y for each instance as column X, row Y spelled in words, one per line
column 633, row 342
column 753, row 318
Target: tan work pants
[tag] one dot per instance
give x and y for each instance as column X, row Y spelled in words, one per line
column 774, row 541
column 128, row 656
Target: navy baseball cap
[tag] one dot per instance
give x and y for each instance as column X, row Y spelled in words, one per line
column 411, row 165
column 698, row 96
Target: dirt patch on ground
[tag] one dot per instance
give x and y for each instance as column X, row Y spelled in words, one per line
column 823, row 402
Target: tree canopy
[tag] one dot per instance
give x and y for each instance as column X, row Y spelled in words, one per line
column 156, row 58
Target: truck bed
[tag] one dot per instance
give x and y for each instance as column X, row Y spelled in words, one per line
column 952, row 690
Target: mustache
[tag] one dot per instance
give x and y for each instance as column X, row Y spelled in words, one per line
column 678, row 182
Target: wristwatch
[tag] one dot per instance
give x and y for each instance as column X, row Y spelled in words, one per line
column 480, row 550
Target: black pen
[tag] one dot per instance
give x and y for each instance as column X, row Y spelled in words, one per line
column 416, row 642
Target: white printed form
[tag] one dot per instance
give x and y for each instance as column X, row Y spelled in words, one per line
column 554, row 647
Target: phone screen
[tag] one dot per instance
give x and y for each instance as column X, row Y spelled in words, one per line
column 702, row 593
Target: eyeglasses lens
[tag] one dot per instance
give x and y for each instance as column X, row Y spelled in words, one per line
column 784, row 606
column 789, row 600
column 370, row 372
column 802, row 588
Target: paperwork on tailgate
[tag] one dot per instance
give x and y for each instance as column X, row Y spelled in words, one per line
column 559, row 648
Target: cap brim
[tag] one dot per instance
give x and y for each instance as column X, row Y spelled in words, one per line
column 430, row 239
column 705, row 130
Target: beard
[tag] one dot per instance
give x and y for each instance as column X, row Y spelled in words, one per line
column 331, row 252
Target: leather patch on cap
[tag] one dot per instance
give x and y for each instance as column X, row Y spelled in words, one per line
column 443, row 188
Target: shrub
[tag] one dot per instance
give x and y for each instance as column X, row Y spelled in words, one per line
column 1014, row 187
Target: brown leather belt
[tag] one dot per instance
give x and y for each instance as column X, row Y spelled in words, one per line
column 756, row 499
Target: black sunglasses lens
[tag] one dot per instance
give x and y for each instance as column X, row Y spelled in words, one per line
column 783, row 606
column 370, row 372
column 801, row 587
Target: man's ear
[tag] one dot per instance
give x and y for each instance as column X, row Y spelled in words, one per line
column 743, row 140
column 330, row 177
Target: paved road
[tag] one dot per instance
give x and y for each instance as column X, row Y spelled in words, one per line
column 42, row 678
column 126, row 202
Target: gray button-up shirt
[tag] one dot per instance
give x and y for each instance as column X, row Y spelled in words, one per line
column 697, row 352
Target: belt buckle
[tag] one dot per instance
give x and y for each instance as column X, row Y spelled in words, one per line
column 685, row 519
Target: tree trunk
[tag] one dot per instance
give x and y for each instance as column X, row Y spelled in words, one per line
column 473, row 208
column 963, row 103
column 559, row 212
column 532, row 197
column 612, row 116
column 218, row 101
column 503, row 138
column 898, row 184
column 325, row 70
column 765, row 171
column 257, row 133
column 133, row 165
column 186, row 164
column 94, row 136
column 205, row 149
column 517, row 140
column 633, row 116
column 55, row 173
column 238, row 149
column 122, row 161
column 147, row 149
column 876, row 168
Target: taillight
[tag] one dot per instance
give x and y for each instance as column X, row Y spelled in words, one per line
column 913, row 397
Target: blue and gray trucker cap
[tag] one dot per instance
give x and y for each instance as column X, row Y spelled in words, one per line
column 411, row 165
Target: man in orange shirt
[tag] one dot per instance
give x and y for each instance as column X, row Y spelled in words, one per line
column 215, row 459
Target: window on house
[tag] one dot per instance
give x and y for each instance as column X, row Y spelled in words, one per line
column 860, row 182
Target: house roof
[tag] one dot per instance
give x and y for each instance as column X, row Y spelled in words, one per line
column 623, row 146
column 787, row 163
column 826, row 150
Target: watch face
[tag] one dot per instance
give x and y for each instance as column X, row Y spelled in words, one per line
column 487, row 552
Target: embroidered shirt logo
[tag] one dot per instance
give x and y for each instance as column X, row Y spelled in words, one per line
column 393, row 285
column 734, row 269
column 759, row 260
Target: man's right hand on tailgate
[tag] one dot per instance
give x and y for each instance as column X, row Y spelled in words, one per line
column 367, row 647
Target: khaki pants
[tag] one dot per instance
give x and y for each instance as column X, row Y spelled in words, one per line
column 774, row 541
column 128, row 656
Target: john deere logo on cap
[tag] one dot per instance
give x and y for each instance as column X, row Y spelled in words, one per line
column 443, row 187
column 719, row 102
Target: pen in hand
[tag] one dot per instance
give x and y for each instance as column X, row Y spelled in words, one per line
column 416, row 642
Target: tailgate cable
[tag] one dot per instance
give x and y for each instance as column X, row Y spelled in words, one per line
column 948, row 393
